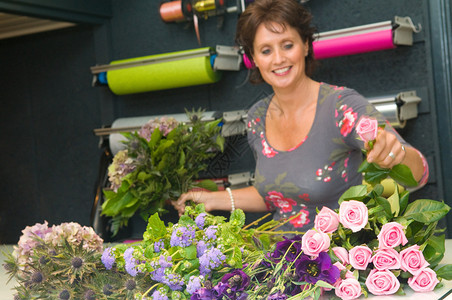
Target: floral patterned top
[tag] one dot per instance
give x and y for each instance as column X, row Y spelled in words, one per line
column 323, row 165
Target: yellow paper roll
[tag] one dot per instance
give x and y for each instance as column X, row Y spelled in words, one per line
column 161, row 75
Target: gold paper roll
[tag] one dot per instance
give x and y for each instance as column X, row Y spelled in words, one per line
column 161, row 75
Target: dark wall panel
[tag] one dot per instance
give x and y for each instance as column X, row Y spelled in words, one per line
column 50, row 155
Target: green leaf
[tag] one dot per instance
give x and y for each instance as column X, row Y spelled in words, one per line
column 383, row 202
column 156, row 136
column 426, row 210
column 189, row 252
column 237, row 218
column 404, row 197
column 207, row 184
column 402, row 174
column 220, row 142
column 324, row 284
column 156, row 228
column 354, row 193
column 434, row 249
column 445, row 272
column 395, row 202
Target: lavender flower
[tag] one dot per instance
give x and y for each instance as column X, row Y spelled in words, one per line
column 194, row 284
column 201, row 247
column 182, row 236
column 174, row 281
column 211, row 232
column 200, row 220
column 211, row 259
column 158, row 246
column 313, row 270
column 160, row 268
column 131, row 265
column 157, row 295
column 108, row 259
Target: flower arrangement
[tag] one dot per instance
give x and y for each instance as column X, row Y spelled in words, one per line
column 162, row 160
column 371, row 244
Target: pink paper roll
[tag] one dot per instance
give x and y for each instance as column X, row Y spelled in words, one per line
column 354, row 44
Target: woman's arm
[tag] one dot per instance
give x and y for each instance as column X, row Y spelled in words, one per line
column 247, row 199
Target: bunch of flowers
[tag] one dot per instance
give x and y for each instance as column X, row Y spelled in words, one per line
column 200, row 257
column 161, row 161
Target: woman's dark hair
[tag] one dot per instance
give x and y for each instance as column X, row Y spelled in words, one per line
column 284, row 12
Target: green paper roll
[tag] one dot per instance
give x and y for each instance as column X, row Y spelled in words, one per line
column 162, row 75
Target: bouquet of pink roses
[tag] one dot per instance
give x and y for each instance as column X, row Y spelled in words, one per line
column 381, row 244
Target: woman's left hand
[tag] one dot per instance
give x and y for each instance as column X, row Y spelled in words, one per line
column 387, row 151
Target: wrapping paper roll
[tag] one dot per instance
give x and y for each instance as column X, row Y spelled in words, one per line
column 161, row 75
column 349, row 45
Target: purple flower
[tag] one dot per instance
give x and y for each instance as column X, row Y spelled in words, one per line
column 211, row 259
column 289, row 247
column 194, row 284
column 131, row 265
column 201, row 247
column 200, row 219
column 211, row 232
column 158, row 246
column 202, row 294
column 157, row 295
column 313, row 270
column 174, row 281
column 160, row 267
column 108, row 259
column 182, row 236
column 233, row 284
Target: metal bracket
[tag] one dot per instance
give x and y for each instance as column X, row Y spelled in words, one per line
column 228, row 58
column 403, row 31
column 234, row 123
column 240, row 180
column 408, row 108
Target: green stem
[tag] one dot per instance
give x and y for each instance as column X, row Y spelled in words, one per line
column 150, row 289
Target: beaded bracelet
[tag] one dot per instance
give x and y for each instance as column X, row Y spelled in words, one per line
column 232, row 198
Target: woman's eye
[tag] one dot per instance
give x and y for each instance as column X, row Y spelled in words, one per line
column 265, row 51
column 288, row 46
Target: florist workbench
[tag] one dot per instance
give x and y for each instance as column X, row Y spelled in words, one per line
column 444, row 293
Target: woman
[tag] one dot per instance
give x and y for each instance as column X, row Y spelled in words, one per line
column 306, row 147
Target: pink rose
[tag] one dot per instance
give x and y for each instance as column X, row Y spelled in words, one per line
column 386, row 259
column 353, row 214
column 391, row 235
column 367, row 129
column 382, row 282
column 313, row 242
column 424, row 281
column 348, row 289
column 360, row 257
column 412, row 260
column 326, row 220
column 342, row 254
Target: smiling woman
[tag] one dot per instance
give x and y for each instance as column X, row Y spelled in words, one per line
column 304, row 136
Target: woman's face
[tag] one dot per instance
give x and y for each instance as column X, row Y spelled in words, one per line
column 280, row 56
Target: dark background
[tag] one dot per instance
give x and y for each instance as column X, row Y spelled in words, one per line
column 50, row 156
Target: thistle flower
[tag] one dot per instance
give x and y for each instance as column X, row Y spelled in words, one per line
column 77, row 262
column 64, row 295
column 107, row 289
column 130, row 284
column 37, row 277
column 90, row 295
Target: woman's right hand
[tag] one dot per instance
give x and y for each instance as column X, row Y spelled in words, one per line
column 197, row 196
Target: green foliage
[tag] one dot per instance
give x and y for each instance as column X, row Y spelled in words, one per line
column 165, row 167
